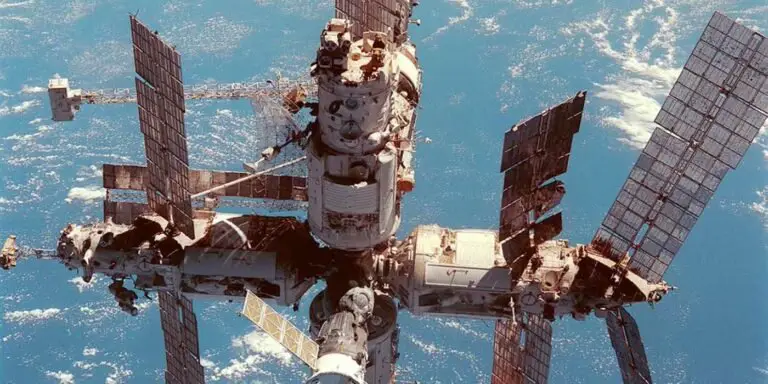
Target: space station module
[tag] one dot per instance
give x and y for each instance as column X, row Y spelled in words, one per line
column 359, row 158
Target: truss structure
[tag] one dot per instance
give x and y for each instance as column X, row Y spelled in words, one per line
column 213, row 91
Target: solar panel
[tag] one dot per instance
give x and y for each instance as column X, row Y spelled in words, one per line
column 707, row 123
column 279, row 187
column 161, row 117
column 507, row 354
column 389, row 16
column 124, row 212
column 534, row 152
column 123, row 176
column 522, row 351
column 182, row 351
column 538, row 348
column 630, row 352
column 280, row 329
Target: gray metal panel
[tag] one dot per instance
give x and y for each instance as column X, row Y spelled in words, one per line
column 389, row 16
column 630, row 352
column 230, row 262
column 708, row 121
column 449, row 275
column 535, row 151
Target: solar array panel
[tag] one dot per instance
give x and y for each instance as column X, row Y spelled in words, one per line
column 276, row 187
column 534, row 152
column 388, row 16
column 522, row 351
column 707, row 123
column 124, row 212
column 160, row 96
column 182, row 351
column 630, row 352
column 280, row 329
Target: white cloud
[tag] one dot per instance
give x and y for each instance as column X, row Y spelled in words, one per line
column 90, row 351
column 261, row 351
column 89, row 172
column 645, row 77
column 466, row 12
column 32, row 89
column 81, row 284
column 427, row 348
column 17, row 4
column 523, row 4
column 18, row 108
column 224, row 112
column 260, row 343
column 103, row 61
column 62, row 377
column 118, row 375
column 31, row 315
column 761, row 205
column 87, row 194
column 489, row 26
column 217, row 35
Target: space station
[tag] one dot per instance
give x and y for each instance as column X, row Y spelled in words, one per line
column 339, row 147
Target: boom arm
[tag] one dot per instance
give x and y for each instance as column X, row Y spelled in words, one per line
column 65, row 101
column 11, row 252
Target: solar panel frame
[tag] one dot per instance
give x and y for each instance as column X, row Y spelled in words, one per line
column 706, row 126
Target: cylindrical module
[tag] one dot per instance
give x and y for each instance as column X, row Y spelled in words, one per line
column 352, row 216
column 355, row 152
column 382, row 338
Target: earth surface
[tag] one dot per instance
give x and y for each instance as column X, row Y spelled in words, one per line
column 487, row 64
